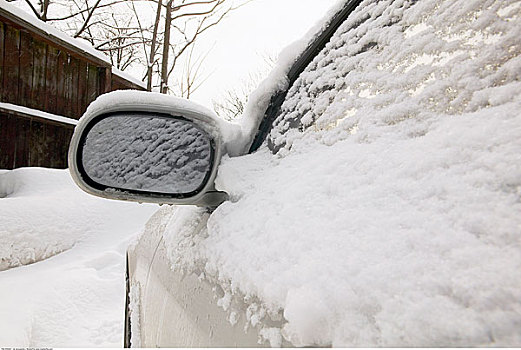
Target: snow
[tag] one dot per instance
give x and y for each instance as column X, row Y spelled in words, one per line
column 245, row 126
column 384, row 213
column 387, row 210
column 128, row 77
column 50, row 30
column 131, row 98
column 72, row 293
column 383, row 73
column 36, row 113
column 154, row 154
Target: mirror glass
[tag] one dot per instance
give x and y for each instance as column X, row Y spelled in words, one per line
column 147, row 152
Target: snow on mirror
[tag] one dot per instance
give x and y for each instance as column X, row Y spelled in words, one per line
column 147, row 153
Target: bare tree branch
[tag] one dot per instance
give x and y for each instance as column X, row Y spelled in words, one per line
column 89, row 16
column 35, row 11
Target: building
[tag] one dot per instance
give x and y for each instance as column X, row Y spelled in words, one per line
column 47, row 80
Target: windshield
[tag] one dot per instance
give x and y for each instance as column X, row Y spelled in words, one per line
column 393, row 70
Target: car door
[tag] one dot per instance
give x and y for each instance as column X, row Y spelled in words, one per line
column 385, row 70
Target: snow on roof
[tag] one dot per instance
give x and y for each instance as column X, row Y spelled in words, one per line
column 46, row 29
column 390, row 215
column 129, row 77
column 36, row 113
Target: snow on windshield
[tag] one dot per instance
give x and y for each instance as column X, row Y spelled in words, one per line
column 154, row 154
column 397, row 69
column 390, row 214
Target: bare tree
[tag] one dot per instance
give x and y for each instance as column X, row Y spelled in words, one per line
column 190, row 79
column 130, row 33
column 188, row 19
column 153, row 44
column 121, row 42
column 233, row 102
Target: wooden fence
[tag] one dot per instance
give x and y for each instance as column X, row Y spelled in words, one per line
column 44, row 72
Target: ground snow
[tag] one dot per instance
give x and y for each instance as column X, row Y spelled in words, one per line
column 390, row 213
column 75, row 298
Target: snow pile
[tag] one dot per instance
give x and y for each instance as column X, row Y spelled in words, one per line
column 396, row 243
column 75, row 298
column 25, row 234
column 390, row 214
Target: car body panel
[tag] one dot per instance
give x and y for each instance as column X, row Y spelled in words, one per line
column 178, row 308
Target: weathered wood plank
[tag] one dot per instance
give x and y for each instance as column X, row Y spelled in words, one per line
column 49, row 142
column 23, row 127
column 92, row 84
column 7, row 136
column 59, row 146
column 67, row 82
column 51, row 80
column 61, row 101
column 73, row 95
column 82, row 87
column 39, row 75
column 26, row 69
column 35, row 153
column 11, row 65
column 65, row 140
column 105, row 80
column 46, row 142
column 28, row 140
column 1, row 60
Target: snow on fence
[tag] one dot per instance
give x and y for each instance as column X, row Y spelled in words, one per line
column 30, row 138
column 44, row 70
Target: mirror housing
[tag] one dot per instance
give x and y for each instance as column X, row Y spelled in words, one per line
column 104, row 162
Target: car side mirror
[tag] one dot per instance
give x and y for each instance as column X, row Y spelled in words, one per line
column 142, row 147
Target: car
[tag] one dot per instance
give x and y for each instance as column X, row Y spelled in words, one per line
column 369, row 196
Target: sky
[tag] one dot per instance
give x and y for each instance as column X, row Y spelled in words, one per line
column 239, row 45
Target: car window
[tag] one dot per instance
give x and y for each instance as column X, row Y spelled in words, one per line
column 395, row 66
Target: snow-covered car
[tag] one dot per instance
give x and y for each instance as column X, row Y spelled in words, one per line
column 370, row 195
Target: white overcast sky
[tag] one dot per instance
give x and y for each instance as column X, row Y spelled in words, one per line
column 259, row 28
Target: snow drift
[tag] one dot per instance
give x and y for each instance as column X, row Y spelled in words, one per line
column 75, row 298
